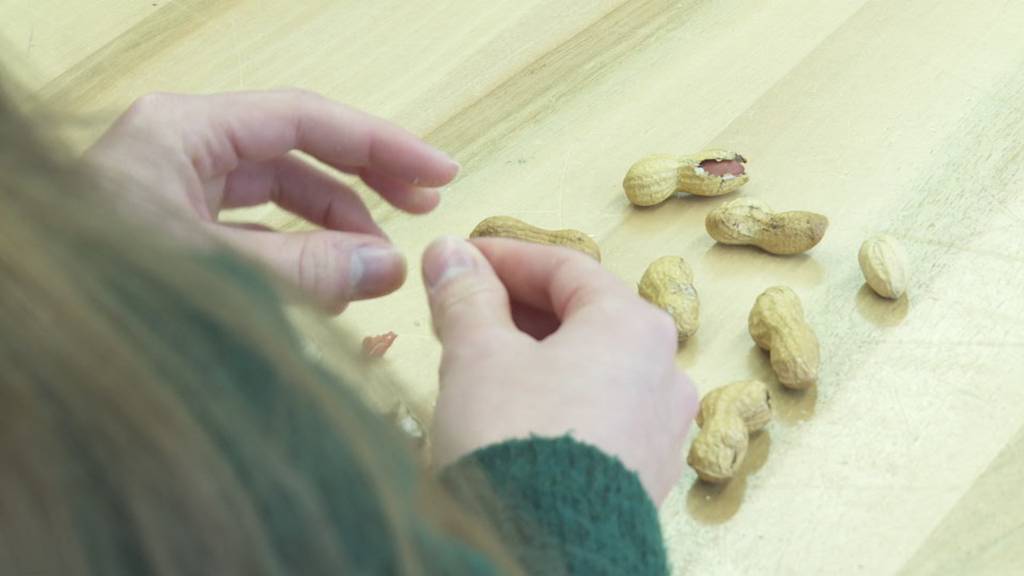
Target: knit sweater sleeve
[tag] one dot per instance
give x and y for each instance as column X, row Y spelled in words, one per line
column 562, row 506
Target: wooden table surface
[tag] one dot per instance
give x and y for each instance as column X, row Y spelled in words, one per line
column 897, row 116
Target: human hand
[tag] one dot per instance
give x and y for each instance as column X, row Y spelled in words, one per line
column 202, row 154
column 544, row 341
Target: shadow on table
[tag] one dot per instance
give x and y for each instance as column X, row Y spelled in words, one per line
column 687, row 355
column 737, row 262
column 880, row 311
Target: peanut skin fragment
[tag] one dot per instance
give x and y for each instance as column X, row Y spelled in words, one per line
column 377, row 346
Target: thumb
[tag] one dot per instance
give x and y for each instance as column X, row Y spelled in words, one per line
column 334, row 268
column 466, row 297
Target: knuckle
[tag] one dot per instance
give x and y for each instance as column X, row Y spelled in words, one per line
column 149, row 105
column 618, row 312
column 465, row 351
column 456, row 295
column 301, row 96
column 463, row 310
column 576, row 264
column 319, row 271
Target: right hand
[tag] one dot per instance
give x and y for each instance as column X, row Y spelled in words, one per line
column 544, row 341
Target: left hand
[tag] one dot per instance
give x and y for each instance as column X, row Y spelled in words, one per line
column 203, row 154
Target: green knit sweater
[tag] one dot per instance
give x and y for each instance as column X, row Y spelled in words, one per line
column 560, row 502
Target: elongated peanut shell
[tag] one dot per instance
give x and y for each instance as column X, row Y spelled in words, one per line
column 508, row 227
column 748, row 221
column 654, row 179
column 668, row 284
column 727, row 417
column 884, row 264
column 777, row 324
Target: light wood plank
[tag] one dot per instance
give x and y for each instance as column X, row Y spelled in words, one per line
column 982, row 535
column 901, row 116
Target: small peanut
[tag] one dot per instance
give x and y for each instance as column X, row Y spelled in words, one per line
column 777, row 324
column 654, row 179
column 884, row 264
column 727, row 417
column 508, row 227
column 748, row 221
column 668, row 284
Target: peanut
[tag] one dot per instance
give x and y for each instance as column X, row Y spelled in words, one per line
column 654, row 179
column 747, row 221
column 508, row 227
column 668, row 284
column 727, row 417
column 884, row 264
column 777, row 324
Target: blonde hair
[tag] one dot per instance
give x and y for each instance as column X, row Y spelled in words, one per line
column 158, row 415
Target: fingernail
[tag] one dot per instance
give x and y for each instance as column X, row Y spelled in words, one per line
column 448, row 258
column 375, row 269
column 453, row 164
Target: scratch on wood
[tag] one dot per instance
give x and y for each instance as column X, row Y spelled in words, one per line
column 558, row 75
column 99, row 73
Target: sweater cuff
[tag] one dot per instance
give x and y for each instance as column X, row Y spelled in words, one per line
column 562, row 506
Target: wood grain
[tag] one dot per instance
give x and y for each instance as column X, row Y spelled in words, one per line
column 903, row 117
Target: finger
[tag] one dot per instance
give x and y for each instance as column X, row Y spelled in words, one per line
column 586, row 298
column 248, row 226
column 466, row 299
column 557, row 280
column 681, row 412
column 302, row 189
column 537, row 323
column 259, row 126
column 689, row 400
column 401, row 194
column 334, row 268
